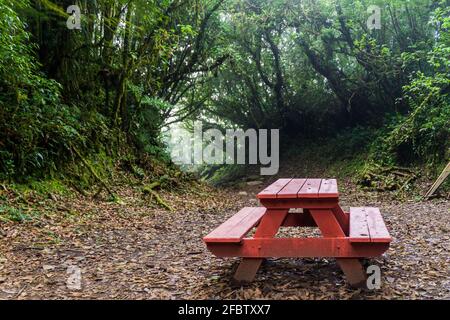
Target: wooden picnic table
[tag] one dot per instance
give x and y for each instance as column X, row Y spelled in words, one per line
column 348, row 237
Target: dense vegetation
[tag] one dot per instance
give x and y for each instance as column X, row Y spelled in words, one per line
column 101, row 95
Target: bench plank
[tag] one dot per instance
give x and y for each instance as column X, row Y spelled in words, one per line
column 291, row 189
column 236, row 227
column 271, row 191
column 367, row 225
column 377, row 228
column 310, row 189
column 359, row 231
column 328, row 189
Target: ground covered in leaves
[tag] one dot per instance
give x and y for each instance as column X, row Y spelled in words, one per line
column 132, row 249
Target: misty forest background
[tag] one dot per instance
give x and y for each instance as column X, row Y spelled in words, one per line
column 78, row 107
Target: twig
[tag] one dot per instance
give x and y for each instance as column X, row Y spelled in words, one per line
column 20, row 291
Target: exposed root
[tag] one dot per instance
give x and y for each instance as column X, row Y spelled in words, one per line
column 149, row 189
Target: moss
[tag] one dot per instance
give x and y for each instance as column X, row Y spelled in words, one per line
column 53, row 186
column 9, row 213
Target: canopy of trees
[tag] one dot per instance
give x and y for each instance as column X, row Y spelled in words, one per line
column 310, row 67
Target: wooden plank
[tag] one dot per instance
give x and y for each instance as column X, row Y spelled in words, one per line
column 246, row 271
column 354, row 272
column 299, row 220
column 304, row 203
column 359, row 231
column 445, row 173
column 327, row 223
column 298, row 248
column 267, row 228
column 271, row 191
column 342, row 217
column 377, row 228
column 236, row 227
column 310, row 189
column 270, row 223
column 291, row 189
column 328, row 189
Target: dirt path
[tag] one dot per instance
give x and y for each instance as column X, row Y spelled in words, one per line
column 134, row 251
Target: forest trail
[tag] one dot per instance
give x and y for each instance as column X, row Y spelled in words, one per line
column 134, row 251
column 349, row 86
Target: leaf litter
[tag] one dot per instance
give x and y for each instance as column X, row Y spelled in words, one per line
column 135, row 250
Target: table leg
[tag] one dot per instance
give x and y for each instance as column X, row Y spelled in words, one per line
column 342, row 218
column 354, row 272
column 267, row 228
column 330, row 227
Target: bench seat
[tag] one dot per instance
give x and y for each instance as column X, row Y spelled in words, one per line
column 234, row 229
column 367, row 225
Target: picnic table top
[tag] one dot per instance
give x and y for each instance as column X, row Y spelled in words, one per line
column 303, row 188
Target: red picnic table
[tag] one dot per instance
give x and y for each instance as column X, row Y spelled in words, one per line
column 348, row 237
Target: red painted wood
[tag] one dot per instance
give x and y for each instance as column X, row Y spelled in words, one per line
column 328, row 189
column 270, row 223
column 268, row 228
column 246, row 271
column 343, row 233
column 370, row 222
column 377, row 228
column 310, row 189
column 235, row 228
column 308, row 203
column 327, row 223
column 291, row 189
column 298, row 248
column 271, row 191
column 354, row 272
column 359, row 231
column 330, row 227
column 299, row 220
column 343, row 218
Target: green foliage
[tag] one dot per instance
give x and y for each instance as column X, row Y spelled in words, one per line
column 423, row 134
column 146, row 126
column 31, row 119
column 8, row 213
column 91, row 106
column 310, row 68
column 44, row 187
column 225, row 175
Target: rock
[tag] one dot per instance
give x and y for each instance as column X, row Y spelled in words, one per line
column 48, row 267
column 254, row 183
column 243, row 193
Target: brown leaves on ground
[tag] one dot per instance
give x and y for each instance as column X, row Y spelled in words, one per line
column 135, row 250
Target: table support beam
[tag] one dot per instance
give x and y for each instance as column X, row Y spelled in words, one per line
column 267, row 228
column 354, row 272
column 331, row 223
column 298, row 248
